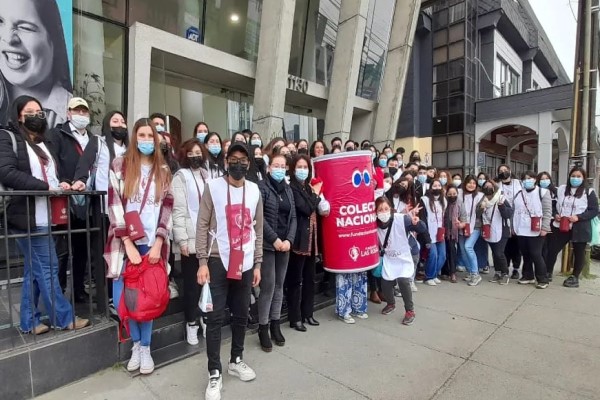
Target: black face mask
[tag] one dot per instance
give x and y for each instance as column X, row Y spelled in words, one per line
column 402, row 190
column 428, row 180
column 393, row 171
column 451, row 199
column 415, row 159
column 35, row 124
column 119, row 133
column 349, row 149
column 195, row 161
column 302, row 151
column 488, row 191
column 288, row 158
column 504, row 175
column 260, row 162
column 436, row 192
column 237, row 171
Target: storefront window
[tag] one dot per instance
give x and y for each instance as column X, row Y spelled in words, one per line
column 98, row 60
column 182, row 18
column 233, row 26
column 377, row 35
column 114, row 10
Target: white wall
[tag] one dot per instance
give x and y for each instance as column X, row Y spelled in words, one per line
column 537, row 76
column 507, row 53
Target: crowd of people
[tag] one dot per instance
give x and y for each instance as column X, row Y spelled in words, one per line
column 243, row 216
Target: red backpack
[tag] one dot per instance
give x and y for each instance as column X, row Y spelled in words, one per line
column 146, row 293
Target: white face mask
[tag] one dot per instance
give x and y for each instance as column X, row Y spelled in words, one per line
column 80, row 121
column 386, row 186
column 384, row 216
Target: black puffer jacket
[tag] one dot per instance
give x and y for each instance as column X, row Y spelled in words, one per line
column 15, row 173
column 306, row 205
column 271, row 201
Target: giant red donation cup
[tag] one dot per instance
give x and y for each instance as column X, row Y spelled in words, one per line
column 350, row 230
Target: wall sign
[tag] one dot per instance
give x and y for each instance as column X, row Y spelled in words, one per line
column 297, row 84
column 192, row 33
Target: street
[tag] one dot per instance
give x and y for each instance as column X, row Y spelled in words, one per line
column 484, row 342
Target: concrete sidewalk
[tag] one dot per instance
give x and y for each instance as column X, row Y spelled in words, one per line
column 487, row 342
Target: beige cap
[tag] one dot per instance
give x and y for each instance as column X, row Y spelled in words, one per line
column 77, row 102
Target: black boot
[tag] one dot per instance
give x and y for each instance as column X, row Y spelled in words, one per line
column 265, row 340
column 276, row 333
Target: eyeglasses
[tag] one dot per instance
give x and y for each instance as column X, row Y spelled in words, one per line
column 39, row 114
column 236, row 160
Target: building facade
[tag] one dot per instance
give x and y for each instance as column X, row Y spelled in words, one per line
column 266, row 65
column 468, row 56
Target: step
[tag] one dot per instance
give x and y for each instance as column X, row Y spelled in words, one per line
column 167, row 350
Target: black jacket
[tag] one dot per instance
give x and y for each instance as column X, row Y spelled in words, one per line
column 271, row 200
column 306, row 205
column 62, row 142
column 87, row 160
column 15, row 173
column 582, row 229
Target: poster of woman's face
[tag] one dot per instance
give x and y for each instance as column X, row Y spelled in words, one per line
column 33, row 55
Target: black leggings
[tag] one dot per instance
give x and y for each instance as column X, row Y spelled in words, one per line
column 556, row 241
column 500, row 263
column 531, row 248
column 191, row 289
column 512, row 252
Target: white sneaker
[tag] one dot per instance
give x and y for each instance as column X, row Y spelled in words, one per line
column 240, row 369
column 430, row 282
column 203, row 325
column 146, row 362
column 468, row 278
column 347, row 319
column 191, row 333
column 360, row 315
column 134, row 361
column 173, row 291
column 437, row 281
column 215, row 384
column 460, row 268
column 475, row 280
column 413, row 287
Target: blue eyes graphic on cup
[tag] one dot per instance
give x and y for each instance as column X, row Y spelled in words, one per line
column 360, row 177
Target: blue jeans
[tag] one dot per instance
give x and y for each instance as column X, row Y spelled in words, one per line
column 139, row 331
column 481, row 249
column 467, row 247
column 435, row 260
column 351, row 293
column 40, row 279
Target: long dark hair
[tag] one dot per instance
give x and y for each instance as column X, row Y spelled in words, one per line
column 253, row 168
column 552, row 188
column 581, row 189
column 50, row 17
column 293, row 180
column 468, row 179
column 311, row 151
column 106, row 132
column 17, row 127
column 431, row 198
column 218, row 161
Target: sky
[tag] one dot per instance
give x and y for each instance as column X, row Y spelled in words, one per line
column 559, row 23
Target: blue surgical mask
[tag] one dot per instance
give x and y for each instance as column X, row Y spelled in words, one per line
column 480, row 182
column 278, row 174
column 301, row 174
column 545, row 183
column 382, row 163
column 214, row 149
column 201, row 136
column 444, row 181
column 422, row 178
column 529, row 183
column 146, row 148
column 575, row 182
column 389, row 155
column 160, row 128
column 256, row 142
